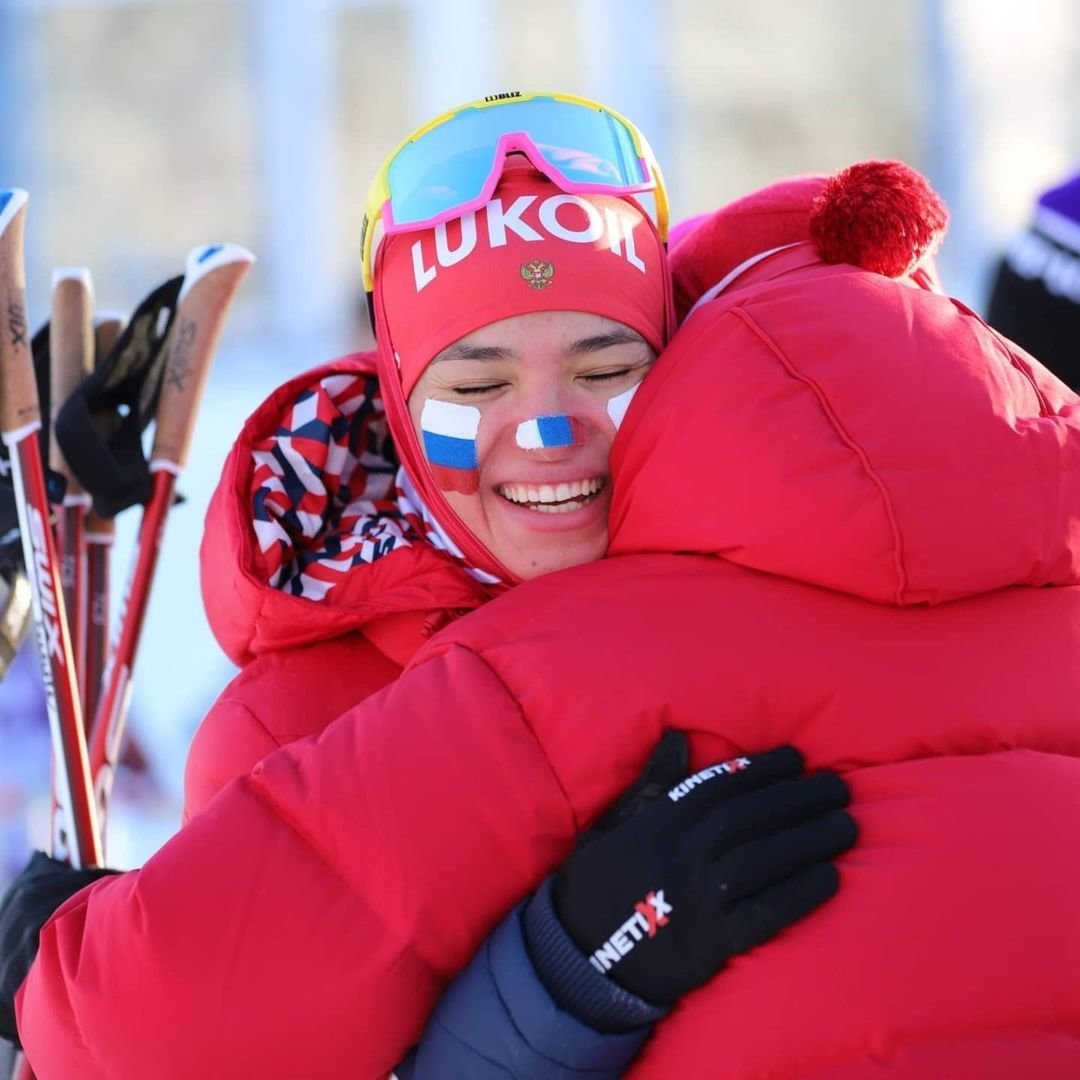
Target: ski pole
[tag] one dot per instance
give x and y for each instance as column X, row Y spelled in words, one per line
column 71, row 356
column 100, row 532
column 69, row 359
column 212, row 276
column 78, row 838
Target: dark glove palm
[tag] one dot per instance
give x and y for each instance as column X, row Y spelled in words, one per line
column 24, row 909
column 715, row 865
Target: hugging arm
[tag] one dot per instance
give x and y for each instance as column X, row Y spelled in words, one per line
column 305, row 922
column 366, row 867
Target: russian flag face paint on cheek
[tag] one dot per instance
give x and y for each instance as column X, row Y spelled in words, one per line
column 618, row 405
column 549, row 432
column 449, row 434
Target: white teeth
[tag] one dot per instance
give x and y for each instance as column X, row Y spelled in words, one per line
column 559, row 508
column 553, row 498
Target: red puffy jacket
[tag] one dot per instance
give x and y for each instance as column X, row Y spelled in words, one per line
column 314, row 459
column 876, row 502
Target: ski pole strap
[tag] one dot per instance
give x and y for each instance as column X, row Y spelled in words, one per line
column 99, row 429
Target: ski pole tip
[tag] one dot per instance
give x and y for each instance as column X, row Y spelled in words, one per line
column 78, row 274
column 202, row 260
column 12, row 200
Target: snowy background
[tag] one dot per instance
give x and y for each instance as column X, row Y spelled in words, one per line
column 144, row 128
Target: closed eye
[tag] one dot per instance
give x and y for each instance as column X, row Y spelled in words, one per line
column 468, row 391
column 607, row 376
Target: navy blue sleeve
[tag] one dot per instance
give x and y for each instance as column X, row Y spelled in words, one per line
column 498, row 1020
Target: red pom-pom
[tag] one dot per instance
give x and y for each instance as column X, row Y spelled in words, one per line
column 879, row 215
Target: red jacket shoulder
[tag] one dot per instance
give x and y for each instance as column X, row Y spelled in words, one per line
column 275, row 700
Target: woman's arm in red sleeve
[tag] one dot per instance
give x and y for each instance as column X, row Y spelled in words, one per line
column 306, row 921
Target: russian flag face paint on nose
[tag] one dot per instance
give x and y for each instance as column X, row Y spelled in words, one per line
column 549, row 432
column 449, row 432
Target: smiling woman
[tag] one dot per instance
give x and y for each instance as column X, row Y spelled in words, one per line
column 371, row 501
column 514, row 398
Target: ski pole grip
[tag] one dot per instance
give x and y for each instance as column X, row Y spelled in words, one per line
column 18, row 390
column 211, row 278
column 71, row 350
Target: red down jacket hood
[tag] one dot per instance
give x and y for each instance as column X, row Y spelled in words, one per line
column 860, row 433
column 861, row 430
column 305, row 511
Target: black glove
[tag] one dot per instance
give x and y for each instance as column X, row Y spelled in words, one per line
column 671, row 886
column 667, row 765
column 24, row 909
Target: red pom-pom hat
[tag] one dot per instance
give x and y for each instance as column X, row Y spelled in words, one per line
column 881, row 216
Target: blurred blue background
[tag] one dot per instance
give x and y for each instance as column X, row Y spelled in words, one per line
column 142, row 129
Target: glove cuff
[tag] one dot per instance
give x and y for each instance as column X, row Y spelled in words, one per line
column 573, row 983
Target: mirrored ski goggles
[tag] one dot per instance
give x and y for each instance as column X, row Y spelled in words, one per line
column 452, row 165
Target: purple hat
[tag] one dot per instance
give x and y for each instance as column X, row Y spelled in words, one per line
column 1057, row 214
column 1035, row 298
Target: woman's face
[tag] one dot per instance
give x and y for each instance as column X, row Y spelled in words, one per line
column 544, row 509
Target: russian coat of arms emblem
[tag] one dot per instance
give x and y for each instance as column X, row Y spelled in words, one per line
column 538, row 274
